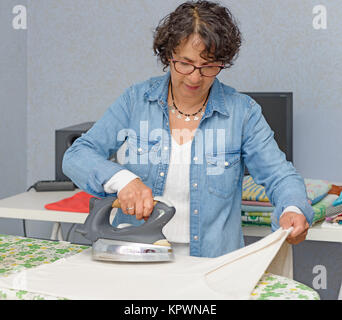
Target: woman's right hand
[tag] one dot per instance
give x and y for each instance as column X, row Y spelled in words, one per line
column 136, row 199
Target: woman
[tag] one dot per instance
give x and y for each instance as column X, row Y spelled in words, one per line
column 188, row 139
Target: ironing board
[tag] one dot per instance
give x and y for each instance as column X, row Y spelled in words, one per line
column 18, row 254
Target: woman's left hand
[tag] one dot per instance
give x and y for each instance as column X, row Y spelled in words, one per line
column 299, row 224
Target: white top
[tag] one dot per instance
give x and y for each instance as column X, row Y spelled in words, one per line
column 178, row 192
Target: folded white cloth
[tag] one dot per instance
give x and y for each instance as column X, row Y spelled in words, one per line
column 231, row 276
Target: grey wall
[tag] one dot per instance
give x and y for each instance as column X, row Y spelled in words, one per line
column 82, row 54
column 13, row 110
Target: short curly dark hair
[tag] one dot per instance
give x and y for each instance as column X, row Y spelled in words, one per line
column 211, row 21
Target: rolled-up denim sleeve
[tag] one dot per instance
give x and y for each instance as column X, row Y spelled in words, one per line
column 268, row 166
column 87, row 162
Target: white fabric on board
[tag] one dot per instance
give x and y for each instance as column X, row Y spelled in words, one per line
column 231, row 276
column 282, row 264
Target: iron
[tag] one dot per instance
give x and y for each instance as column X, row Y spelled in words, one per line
column 144, row 243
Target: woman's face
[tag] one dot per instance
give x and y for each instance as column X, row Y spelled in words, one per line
column 192, row 86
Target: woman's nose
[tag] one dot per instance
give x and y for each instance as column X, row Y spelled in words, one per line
column 195, row 77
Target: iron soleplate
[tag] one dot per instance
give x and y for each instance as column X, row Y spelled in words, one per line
column 115, row 250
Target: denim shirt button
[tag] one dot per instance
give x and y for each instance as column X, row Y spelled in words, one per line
column 140, row 150
column 196, row 238
column 195, row 159
column 195, row 211
column 195, row 185
column 226, row 163
column 162, row 174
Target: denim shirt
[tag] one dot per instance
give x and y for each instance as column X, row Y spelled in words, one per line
column 232, row 134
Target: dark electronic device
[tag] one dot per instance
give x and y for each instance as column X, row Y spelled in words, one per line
column 52, row 185
column 277, row 108
column 64, row 138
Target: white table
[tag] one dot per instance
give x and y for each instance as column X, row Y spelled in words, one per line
column 30, row 206
column 315, row 233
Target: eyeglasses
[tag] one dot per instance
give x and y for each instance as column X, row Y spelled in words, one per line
column 187, row 68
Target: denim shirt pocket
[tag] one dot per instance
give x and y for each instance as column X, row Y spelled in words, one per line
column 222, row 172
column 139, row 153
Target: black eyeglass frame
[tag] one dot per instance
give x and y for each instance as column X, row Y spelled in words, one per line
column 199, row 68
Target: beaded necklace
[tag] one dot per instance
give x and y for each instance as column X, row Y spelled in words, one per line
column 187, row 116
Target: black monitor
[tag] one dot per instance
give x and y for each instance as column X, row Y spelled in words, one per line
column 277, row 108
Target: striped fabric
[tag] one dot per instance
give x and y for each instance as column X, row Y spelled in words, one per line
column 253, row 191
column 331, row 211
column 321, row 207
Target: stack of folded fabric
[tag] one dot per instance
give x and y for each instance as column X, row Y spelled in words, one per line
column 256, row 209
column 334, row 213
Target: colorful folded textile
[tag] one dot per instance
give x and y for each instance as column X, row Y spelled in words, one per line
column 79, row 202
column 320, row 208
column 335, row 189
column 316, row 190
column 264, row 217
column 336, row 218
column 256, row 214
column 256, row 208
column 338, row 201
column 253, row 191
column 261, row 221
column 333, row 211
column 256, row 203
column 319, row 198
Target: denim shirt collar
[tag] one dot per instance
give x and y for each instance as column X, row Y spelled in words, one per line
column 159, row 90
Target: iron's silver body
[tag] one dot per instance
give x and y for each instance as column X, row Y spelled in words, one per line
column 114, row 250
